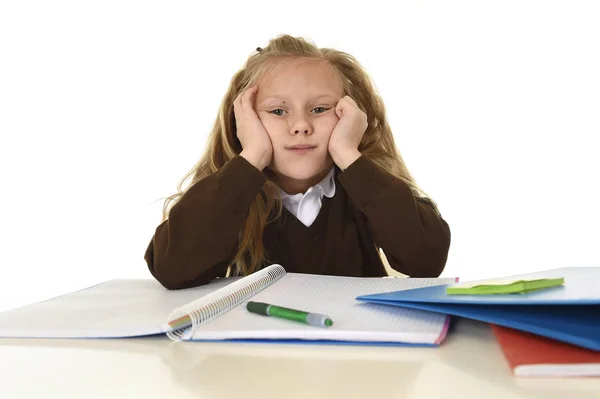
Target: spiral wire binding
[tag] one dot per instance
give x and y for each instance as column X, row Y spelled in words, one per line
column 223, row 300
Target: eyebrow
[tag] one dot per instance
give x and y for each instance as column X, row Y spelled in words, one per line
column 283, row 98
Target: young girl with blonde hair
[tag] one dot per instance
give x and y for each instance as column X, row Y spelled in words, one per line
column 301, row 169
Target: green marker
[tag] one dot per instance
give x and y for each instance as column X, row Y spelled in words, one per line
column 313, row 319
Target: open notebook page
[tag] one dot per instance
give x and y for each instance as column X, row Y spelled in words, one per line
column 113, row 309
column 335, row 297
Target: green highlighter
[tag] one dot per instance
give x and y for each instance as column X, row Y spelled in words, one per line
column 503, row 286
column 265, row 309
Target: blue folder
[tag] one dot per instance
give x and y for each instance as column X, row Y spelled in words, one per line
column 568, row 313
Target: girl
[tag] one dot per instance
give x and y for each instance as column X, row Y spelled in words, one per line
column 302, row 170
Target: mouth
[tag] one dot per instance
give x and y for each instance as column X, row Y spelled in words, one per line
column 302, row 148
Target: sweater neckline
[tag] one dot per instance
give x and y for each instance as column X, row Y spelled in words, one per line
column 316, row 225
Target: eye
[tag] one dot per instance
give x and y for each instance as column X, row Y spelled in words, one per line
column 276, row 110
column 322, row 109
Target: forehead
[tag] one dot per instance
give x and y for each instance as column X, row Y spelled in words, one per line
column 299, row 78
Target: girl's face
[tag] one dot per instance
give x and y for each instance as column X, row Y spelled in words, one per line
column 296, row 104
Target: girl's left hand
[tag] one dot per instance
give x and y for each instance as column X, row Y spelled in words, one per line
column 347, row 134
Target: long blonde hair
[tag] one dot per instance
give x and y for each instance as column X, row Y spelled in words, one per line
column 377, row 142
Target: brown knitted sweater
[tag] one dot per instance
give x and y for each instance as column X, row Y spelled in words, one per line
column 370, row 209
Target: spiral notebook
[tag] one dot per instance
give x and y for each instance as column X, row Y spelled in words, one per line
column 216, row 312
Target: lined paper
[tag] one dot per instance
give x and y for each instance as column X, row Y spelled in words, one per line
column 112, row 309
column 137, row 307
column 334, row 297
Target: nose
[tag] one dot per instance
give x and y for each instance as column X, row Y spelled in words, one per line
column 300, row 126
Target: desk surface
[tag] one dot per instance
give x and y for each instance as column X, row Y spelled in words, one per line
column 469, row 364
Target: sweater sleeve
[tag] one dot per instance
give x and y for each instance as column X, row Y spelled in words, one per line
column 198, row 240
column 414, row 238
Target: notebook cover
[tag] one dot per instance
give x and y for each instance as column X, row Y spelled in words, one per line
column 535, row 356
column 580, row 288
column 577, row 325
column 556, row 312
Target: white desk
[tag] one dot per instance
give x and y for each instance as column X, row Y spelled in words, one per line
column 469, row 364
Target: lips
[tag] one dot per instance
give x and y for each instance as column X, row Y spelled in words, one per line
column 301, row 149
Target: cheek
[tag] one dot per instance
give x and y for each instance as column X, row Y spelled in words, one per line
column 271, row 125
column 326, row 124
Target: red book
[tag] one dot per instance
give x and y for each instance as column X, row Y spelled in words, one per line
column 531, row 355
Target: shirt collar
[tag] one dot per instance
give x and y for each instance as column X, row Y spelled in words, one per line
column 325, row 186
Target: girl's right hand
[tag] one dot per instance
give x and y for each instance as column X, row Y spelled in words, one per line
column 256, row 143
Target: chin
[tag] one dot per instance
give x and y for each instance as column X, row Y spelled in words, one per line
column 301, row 170
column 300, row 175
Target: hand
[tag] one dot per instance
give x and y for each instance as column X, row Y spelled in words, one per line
column 256, row 143
column 347, row 134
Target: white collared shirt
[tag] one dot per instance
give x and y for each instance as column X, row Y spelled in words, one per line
column 306, row 206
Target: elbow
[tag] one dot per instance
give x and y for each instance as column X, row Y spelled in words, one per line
column 430, row 258
column 164, row 275
column 163, row 271
column 176, row 274
column 421, row 264
column 421, row 252
column 174, row 278
column 172, row 283
column 427, row 266
column 432, row 269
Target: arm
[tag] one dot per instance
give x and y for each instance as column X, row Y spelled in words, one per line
column 414, row 238
column 198, row 240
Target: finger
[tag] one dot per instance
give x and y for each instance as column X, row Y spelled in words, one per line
column 237, row 105
column 350, row 100
column 338, row 112
column 247, row 97
column 341, row 107
column 345, row 103
column 349, row 103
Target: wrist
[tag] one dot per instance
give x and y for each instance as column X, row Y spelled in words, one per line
column 345, row 158
column 259, row 161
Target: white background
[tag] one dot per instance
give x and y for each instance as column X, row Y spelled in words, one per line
column 104, row 106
